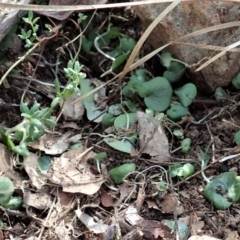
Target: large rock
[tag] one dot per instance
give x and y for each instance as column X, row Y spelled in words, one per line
column 188, row 17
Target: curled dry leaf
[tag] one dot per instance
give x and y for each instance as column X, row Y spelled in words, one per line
column 6, row 167
column 72, row 111
column 52, row 145
column 39, row 200
column 72, row 171
column 31, row 167
column 153, row 140
column 63, row 15
column 88, row 221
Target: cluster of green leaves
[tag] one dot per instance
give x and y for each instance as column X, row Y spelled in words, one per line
column 100, row 40
column 34, row 125
column 30, row 36
column 6, row 192
column 157, row 94
column 75, row 77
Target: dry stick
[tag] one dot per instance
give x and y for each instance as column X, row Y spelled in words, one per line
column 218, row 55
column 49, row 8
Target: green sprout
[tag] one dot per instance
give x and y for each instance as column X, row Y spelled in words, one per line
column 34, row 125
column 30, row 36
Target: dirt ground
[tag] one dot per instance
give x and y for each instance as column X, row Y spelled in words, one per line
column 210, row 126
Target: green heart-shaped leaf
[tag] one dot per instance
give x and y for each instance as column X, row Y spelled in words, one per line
column 6, row 189
column 108, row 120
column 223, row 190
column 157, row 93
column 220, row 94
column 123, row 120
column 177, row 111
column 185, row 144
column 117, row 174
column 186, row 94
column 237, row 137
column 120, row 145
column 44, row 163
column 127, row 44
column 174, row 72
column 236, row 81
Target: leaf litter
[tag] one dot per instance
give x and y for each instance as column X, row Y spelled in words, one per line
column 74, row 172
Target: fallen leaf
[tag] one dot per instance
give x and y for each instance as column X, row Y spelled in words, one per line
column 125, row 191
column 168, row 204
column 72, row 171
column 6, row 167
column 106, row 199
column 196, row 227
column 72, row 111
column 31, row 167
column 153, row 140
column 96, row 227
column 39, row 200
column 52, row 145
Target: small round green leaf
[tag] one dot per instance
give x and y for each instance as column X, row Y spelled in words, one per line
column 113, row 32
column 127, row 44
column 157, row 93
column 186, row 94
column 120, row 145
column 44, row 163
column 14, row 203
column 237, row 137
column 123, row 120
column 182, row 171
column 117, row 174
column 108, row 120
column 223, row 190
column 21, row 150
column 220, row 94
column 177, row 111
column 236, row 81
column 6, row 189
column 174, row 72
column 185, row 144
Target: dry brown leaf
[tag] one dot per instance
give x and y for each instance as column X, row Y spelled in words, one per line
column 52, row 145
column 125, row 191
column 74, row 173
column 72, row 111
column 31, row 167
column 39, row 200
column 106, row 199
column 153, row 140
column 6, row 167
column 168, row 204
column 196, row 227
